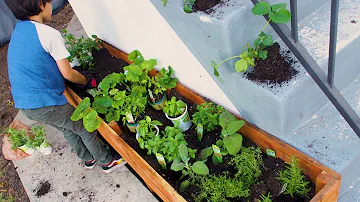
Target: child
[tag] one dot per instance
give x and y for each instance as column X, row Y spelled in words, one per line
column 37, row 65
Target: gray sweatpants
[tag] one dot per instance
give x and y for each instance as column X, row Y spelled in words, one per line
column 86, row 145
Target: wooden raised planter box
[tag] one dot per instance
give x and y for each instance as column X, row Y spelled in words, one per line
column 327, row 181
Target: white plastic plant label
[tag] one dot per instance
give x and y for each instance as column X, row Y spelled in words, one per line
column 217, row 153
column 199, row 131
column 130, row 118
column 151, row 95
column 161, row 160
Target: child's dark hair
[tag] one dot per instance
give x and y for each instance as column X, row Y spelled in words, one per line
column 22, row 9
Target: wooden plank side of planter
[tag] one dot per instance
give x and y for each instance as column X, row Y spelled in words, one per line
column 152, row 179
column 328, row 190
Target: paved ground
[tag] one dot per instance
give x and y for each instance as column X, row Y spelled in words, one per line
column 62, row 177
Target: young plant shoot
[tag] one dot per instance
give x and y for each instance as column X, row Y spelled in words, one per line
column 232, row 141
column 188, row 170
column 18, row 138
column 293, row 178
column 277, row 14
column 174, row 108
column 188, row 5
column 265, row 198
column 147, row 129
column 39, row 136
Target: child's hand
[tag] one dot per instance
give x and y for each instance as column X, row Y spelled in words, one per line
column 11, row 154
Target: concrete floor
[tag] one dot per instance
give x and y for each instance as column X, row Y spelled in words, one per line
column 63, row 172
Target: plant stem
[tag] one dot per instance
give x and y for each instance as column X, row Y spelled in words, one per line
column 228, row 59
column 268, row 22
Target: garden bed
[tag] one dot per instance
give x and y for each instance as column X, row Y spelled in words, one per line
column 325, row 180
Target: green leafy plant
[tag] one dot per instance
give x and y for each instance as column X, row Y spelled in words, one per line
column 188, row 170
column 89, row 116
column 164, row 77
column 293, row 177
column 207, row 115
column 277, row 14
column 174, row 108
column 248, row 165
column 39, row 136
column 221, row 188
column 265, row 198
column 231, row 140
column 81, row 49
column 17, row 138
column 188, row 4
column 147, row 130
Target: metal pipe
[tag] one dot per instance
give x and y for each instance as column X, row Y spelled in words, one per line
column 294, row 20
column 333, row 40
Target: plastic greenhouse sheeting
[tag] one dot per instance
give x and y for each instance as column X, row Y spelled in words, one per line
column 8, row 20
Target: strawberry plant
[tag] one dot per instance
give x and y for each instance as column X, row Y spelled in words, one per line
column 89, row 116
column 293, row 178
column 188, row 5
column 249, row 54
column 188, row 170
column 81, row 49
column 147, row 130
column 17, row 138
column 160, row 83
column 174, row 108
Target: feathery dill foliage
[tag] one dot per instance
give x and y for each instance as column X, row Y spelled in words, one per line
column 293, row 177
column 248, row 165
column 221, row 188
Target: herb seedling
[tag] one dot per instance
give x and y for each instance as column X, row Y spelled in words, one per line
column 188, row 169
column 277, row 14
column 174, row 108
column 206, row 118
column 232, row 141
column 81, row 49
column 17, row 138
column 248, row 165
column 265, row 198
column 293, row 177
column 39, row 136
column 146, row 130
column 89, row 116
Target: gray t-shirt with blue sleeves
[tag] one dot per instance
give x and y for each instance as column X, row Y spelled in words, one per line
column 35, row 78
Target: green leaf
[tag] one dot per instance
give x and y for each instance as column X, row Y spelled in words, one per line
column 226, row 118
column 188, row 8
column 219, row 143
column 91, row 121
column 215, row 67
column 241, row 65
column 136, row 57
column 149, row 64
column 263, row 54
column 200, row 168
column 233, row 143
column 257, row 43
column 134, row 72
column 81, row 110
column 275, row 7
column 261, row 8
column 164, row 2
column 205, row 153
column 215, row 160
column 184, row 185
column 184, row 153
column 268, row 40
column 177, row 165
column 280, row 16
column 234, row 126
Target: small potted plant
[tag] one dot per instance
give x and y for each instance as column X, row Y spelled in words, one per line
column 147, row 128
column 176, row 112
column 134, row 108
column 19, row 139
column 158, row 86
column 39, row 142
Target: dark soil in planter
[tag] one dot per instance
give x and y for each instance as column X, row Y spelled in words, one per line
column 104, row 67
column 275, row 69
column 203, row 5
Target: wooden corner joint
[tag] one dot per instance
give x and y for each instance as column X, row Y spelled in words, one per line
column 327, row 188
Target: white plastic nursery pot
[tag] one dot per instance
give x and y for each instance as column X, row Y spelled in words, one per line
column 138, row 135
column 27, row 149
column 45, row 148
column 75, row 63
column 184, row 120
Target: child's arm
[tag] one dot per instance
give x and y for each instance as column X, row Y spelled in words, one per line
column 69, row 73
